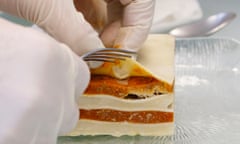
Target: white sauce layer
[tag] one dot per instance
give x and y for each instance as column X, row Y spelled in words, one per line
column 161, row 103
column 91, row 127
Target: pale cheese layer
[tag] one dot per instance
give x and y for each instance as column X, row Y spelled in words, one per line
column 92, row 127
column 155, row 59
column 160, row 103
column 157, row 55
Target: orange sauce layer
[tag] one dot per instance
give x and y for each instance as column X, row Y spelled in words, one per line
column 109, row 115
column 101, row 84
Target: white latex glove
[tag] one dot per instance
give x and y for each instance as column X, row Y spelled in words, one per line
column 40, row 81
column 60, row 19
column 125, row 23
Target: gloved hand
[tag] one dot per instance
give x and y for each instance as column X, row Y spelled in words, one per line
column 127, row 26
column 121, row 23
column 40, row 81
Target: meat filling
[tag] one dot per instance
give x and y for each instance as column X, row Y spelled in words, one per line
column 135, row 87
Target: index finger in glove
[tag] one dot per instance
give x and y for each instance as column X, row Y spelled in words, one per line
column 134, row 25
column 58, row 18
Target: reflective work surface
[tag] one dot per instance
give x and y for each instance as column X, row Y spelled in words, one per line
column 207, row 97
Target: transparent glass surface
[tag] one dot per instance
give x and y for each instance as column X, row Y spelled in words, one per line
column 207, row 97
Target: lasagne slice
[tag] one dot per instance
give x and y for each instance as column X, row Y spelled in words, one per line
column 130, row 97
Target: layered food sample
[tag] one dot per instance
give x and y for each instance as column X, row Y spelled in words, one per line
column 131, row 97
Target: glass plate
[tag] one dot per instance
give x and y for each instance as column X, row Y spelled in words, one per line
column 207, row 97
